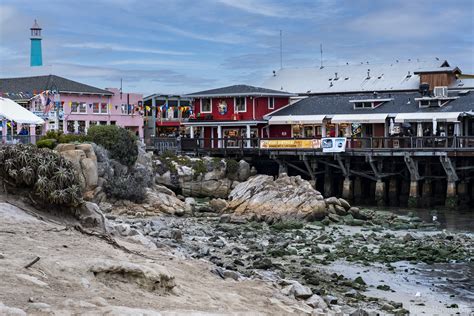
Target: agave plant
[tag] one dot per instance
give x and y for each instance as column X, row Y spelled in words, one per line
column 27, row 175
column 9, row 165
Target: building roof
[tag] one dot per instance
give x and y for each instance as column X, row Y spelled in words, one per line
column 401, row 102
column 24, row 88
column 438, row 70
column 239, row 90
column 396, row 76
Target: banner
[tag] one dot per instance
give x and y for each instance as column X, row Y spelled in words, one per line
column 290, row 144
column 333, row 144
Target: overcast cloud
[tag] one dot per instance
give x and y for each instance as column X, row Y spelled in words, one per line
column 182, row 46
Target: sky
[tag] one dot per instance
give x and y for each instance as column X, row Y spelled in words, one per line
column 183, row 46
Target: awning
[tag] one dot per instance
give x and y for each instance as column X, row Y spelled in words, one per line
column 296, row 119
column 427, row 117
column 359, row 118
column 12, row 111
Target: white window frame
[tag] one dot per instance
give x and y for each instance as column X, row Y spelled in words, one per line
column 271, row 100
column 236, row 109
column 78, row 109
column 210, row 105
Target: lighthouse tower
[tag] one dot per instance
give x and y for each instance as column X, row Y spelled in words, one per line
column 36, row 57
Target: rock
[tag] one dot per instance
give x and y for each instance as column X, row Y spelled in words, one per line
column 253, row 171
column 344, row 204
column 316, row 301
column 243, row 171
column 360, row 281
column 90, row 216
column 11, row 311
column 65, row 147
column 232, row 275
column 359, row 312
column 32, row 280
column 330, row 300
column 161, row 199
column 297, row 290
column 153, row 279
column 264, row 199
column 263, row 264
column 334, row 217
column 218, row 205
column 408, row 238
column 341, row 211
column 176, row 234
column 333, row 200
column 189, row 204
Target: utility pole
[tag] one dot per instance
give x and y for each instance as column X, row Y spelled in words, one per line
column 321, row 60
column 281, row 50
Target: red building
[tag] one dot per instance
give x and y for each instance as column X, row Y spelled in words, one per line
column 231, row 114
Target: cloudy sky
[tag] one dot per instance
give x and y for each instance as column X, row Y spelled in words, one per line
column 182, row 46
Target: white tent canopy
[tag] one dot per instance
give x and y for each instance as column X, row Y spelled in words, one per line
column 427, row 117
column 359, row 118
column 12, row 111
column 296, row 119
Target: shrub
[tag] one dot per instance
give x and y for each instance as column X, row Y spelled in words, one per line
column 62, row 138
column 50, row 177
column 199, row 168
column 232, row 166
column 120, row 143
column 130, row 187
column 47, row 143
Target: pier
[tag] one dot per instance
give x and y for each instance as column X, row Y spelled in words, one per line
column 388, row 171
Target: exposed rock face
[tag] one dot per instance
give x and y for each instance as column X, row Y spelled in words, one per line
column 112, row 273
column 288, row 198
column 215, row 181
column 84, row 160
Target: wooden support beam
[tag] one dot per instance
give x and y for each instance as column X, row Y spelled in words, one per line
column 308, row 167
column 412, row 166
column 449, row 168
column 299, row 169
column 375, row 169
column 345, row 171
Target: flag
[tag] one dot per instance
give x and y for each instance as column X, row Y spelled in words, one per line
column 48, row 106
column 43, row 100
column 148, row 108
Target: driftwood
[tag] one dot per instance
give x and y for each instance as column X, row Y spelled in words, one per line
column 32, row 262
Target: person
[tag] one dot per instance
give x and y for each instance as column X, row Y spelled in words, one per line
column 253, row 136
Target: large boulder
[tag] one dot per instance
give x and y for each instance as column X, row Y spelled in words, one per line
column 288, row 198
column 84, row 162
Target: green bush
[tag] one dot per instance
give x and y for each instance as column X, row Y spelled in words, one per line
column 232, row 166
column 47, row 143
column 120, row 143
column 50, row 177
column 199, row 168
column 62, row 138
column 130, row 187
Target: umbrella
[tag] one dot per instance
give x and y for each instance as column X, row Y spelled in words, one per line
column 435, row 125
column 419, row 132
column 392, row 126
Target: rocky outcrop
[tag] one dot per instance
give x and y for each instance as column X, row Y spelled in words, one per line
column 206, row 177
column 262, row 198
column 84, row 161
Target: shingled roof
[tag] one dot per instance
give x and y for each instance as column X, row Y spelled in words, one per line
column 25, row 87
column 239, row 90
column 351, row 78
column 400, row 102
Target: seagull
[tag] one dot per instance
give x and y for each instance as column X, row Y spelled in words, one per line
column 418, row 294
column 435, row 218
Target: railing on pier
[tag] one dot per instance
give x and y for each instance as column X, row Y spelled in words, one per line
column 353, row 144
column 19, row 139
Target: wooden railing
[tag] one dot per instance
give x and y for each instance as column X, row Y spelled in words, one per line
column 430, row 143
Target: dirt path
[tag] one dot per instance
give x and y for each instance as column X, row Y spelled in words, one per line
column 61, row 282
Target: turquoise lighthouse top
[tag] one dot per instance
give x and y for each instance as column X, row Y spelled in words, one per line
column 36, row 57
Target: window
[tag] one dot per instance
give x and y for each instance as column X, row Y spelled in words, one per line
column 363, row 105
column 206, row 106
column 240, row 105
column 103, row 108
column 78, row 107
column 271, row 103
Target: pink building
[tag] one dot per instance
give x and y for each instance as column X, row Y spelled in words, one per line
column 122, row 109
column 74, row 106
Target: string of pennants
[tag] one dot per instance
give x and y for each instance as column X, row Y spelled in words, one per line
column 50, row 99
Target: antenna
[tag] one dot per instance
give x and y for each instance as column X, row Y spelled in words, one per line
column 120, row 88
column 281, row 50
column 321, row 49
